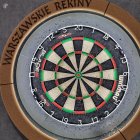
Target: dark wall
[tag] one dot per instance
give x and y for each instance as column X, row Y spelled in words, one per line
column 11, row 12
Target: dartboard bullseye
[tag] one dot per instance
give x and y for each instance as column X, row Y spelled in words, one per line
column 74, row 74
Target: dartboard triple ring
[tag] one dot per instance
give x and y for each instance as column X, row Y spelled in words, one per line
column 79, row 74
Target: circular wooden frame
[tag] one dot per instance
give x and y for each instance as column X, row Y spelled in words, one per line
column 7, row 62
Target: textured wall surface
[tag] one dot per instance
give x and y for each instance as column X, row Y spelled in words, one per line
column 11, row 12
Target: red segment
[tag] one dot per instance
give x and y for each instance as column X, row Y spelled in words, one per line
column 101, row 105
column 57, row 105
column 79, row 98
column 65, row 94
column 78, row 52
column 101, row 82
column 42, row 98
column 100, row 45
column 91, row 56
column 114, row 63
column 55, row 46
column 36, row 74
column 92, row 94
column 56, row 68
column 56, row 82
column 114, row 86
column 43, row 64
column 100, row 67
column 79, row 112
column 43, row 87
column 77, row 38
column 64, row 57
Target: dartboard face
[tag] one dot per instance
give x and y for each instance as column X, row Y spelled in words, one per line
column 73, row 73
column 76, row 75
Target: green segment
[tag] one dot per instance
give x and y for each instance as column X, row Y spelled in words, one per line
column 49, row 97
column 96, row 61
column 66, row 40
column 60, row 61
column 70, row 54
column 89, row 39
column 84, row 53
column 108, row 53
column 115, row 74
column 55, row 75
column 97, row 88
column 85, row 97
column 60, row 88
column 109, row 96
column 91, row 110
column 101, row 74
column 72, row 97
column 48, row 54
column 67, row 110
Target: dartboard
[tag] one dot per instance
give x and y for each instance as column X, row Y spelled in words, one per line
column 70, row 70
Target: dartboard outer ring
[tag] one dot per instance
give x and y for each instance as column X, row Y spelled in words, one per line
column 17, row 115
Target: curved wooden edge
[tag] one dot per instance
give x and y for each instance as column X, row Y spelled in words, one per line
column 18, row 117
column 133, row 127
column 116, row 136
column 51, row 9
column 133, row 27
column 125, row 20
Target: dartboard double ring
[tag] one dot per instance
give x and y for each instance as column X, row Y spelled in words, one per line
column 72, row 72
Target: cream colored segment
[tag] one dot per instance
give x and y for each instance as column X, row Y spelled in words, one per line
column 83, row 89
column 108, row 74
column 69, row 104
column 92, row 84
column 54, row 58
column 102, row 57
column 82, row 61
column 66, row 84
column 103, row 92
column 74, row 89
column 91, row 65
column 54, row 93
column 69, row 47
column 88, row 104
column 73, row 61
column 64, row 65
column 92, row 74
column 63, row 75
column 87, row 46
column 48, row 75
